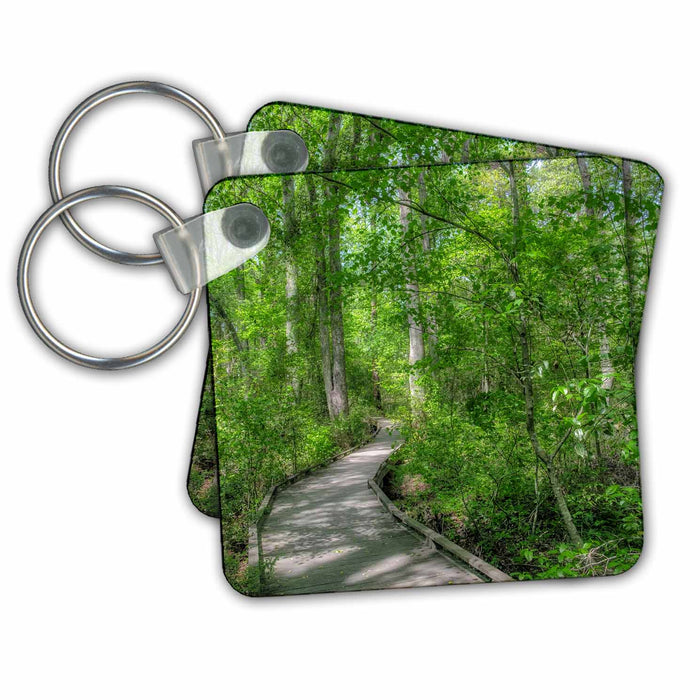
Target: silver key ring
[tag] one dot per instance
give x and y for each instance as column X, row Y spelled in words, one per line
column 35, row 321
column 108, row 93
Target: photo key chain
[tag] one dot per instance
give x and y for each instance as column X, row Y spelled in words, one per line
column 455, row 333
column 422, row 347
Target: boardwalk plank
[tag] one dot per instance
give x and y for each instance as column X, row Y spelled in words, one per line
column 328, row 532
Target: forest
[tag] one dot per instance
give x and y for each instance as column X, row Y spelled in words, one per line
column 490, row 309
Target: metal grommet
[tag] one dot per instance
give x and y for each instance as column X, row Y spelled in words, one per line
column 28, row 305
column 244, row 225
column 108, row 93
column 284, row 152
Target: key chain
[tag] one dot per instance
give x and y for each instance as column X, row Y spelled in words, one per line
column 434, row 275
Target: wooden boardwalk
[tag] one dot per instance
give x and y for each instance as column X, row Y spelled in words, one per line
column 329, row 532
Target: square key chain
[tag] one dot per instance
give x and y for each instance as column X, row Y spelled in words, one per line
column 426, row 377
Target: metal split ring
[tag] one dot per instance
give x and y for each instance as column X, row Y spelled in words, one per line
column 100, row 97
column 60, row 209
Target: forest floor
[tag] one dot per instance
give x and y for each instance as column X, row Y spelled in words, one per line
column 328, row 532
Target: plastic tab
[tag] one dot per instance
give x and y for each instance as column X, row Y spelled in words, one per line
column 249, row 153
column 212, row 244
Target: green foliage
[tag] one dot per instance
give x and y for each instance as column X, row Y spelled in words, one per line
column 527, row 289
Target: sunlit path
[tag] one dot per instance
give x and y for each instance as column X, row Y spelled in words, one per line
column 328, row 532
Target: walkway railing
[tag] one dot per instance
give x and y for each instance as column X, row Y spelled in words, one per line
column 482, row 569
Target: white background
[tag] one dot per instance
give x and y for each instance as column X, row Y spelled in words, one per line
column 111, row 582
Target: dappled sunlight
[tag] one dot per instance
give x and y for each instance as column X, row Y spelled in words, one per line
column 328, row 531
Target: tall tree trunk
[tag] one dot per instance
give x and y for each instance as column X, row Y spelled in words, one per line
column 322, row 298
column 376, row 384
column 526, row 372
column 430, row 328
column 339, row 394
column 416, row 346
column 607, row 368
column 630, row 253
column 330, row 290
column 291, row 229
column 291, row 294
column 323, row 329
